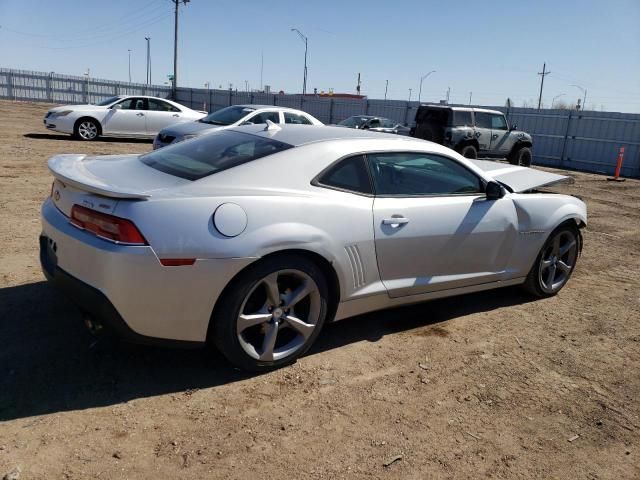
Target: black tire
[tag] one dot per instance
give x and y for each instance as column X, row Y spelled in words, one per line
column 469, row 151
column 535, row 284
column 522, row 156
column 86, row 129
column 223, row 332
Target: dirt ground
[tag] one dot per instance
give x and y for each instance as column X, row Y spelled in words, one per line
column 486, row 385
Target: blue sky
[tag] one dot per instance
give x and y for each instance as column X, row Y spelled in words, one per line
column 493, row 48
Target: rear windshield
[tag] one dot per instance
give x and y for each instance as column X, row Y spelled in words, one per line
column 211, row 153
column 227, row 116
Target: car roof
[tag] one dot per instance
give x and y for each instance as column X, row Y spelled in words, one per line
column 461, row 109
column 270, row 107
column 298, row 135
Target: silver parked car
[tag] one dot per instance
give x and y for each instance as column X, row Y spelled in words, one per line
column 253, row 237
column 233, row 116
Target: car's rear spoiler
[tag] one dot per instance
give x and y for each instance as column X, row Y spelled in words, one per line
column 520, row 179
column 70, row 170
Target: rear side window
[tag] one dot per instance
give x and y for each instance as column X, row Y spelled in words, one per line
column 462, row 119
column 439, row 116
column 160, row 106
column 296, row 119
column 211, row 153
column 349, row 174
column 483, row 120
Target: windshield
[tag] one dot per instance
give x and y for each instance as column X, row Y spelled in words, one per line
column 211, row 153
column 108, row 101
column 354, row 122
column 227, row 116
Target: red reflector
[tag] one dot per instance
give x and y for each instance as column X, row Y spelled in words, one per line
column 177, row 262
column 108, row 227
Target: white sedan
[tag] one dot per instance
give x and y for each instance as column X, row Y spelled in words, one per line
column 122, row 116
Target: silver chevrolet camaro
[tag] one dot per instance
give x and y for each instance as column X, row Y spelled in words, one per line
column 252, row 238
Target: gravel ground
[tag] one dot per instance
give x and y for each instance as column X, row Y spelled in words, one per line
column 485, row 385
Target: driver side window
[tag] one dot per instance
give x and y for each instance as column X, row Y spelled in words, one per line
column 421, row 174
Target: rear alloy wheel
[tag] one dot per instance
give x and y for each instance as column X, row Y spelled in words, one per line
column 521, row 157
column 555, row 263
column 469, row 151
column 87, row 129
column 272, row 314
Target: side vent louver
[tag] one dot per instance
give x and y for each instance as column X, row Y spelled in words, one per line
column 357, row 268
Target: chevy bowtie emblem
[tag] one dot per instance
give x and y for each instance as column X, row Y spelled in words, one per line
column 56, row 195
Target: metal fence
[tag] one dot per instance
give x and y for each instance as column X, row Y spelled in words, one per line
column 587, row 141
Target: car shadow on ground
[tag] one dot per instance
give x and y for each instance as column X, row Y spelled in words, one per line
column 50, row 363
column 52, row 136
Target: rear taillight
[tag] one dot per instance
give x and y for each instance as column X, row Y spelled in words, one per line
column 107, row 227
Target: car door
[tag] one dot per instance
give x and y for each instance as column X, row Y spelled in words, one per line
column 483, row 130
column 126, row 118
column 434, row 228
column 499, row 134
column 161, row 114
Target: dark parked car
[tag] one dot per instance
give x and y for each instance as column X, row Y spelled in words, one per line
column 472, row 132
column 375, row 124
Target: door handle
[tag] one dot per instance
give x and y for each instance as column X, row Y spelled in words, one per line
column 140, row 114
column 478, row 134
column 175, row 115
column 395, row 221
column 495, row 135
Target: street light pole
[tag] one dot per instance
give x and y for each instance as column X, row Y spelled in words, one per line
column 148, row 39
column 409, row 94
column 386, row 87
column 553, row 100
column 305, row 40
column 129, row 50
column 584, row 99
column 421, row 80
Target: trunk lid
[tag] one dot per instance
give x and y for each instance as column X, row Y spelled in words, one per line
column 520, row 179
column 100, row 182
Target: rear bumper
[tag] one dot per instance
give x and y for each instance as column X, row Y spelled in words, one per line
column 96, row 305
column 128, row 287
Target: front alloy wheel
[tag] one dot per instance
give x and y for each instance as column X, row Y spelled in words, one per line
column 555, row 263
column 87, row 130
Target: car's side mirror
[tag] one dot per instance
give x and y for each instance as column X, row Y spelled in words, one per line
column 513, row 127
column 494, row 190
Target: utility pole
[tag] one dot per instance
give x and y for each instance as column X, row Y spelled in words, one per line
column 129, row 50
column 448, row 94
column 358, row 85
column 542, row 75
column 306, row 41
column 175, row 47
column 148, row 39
column 386, row 87
column 409, row 94
column 470, row 95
